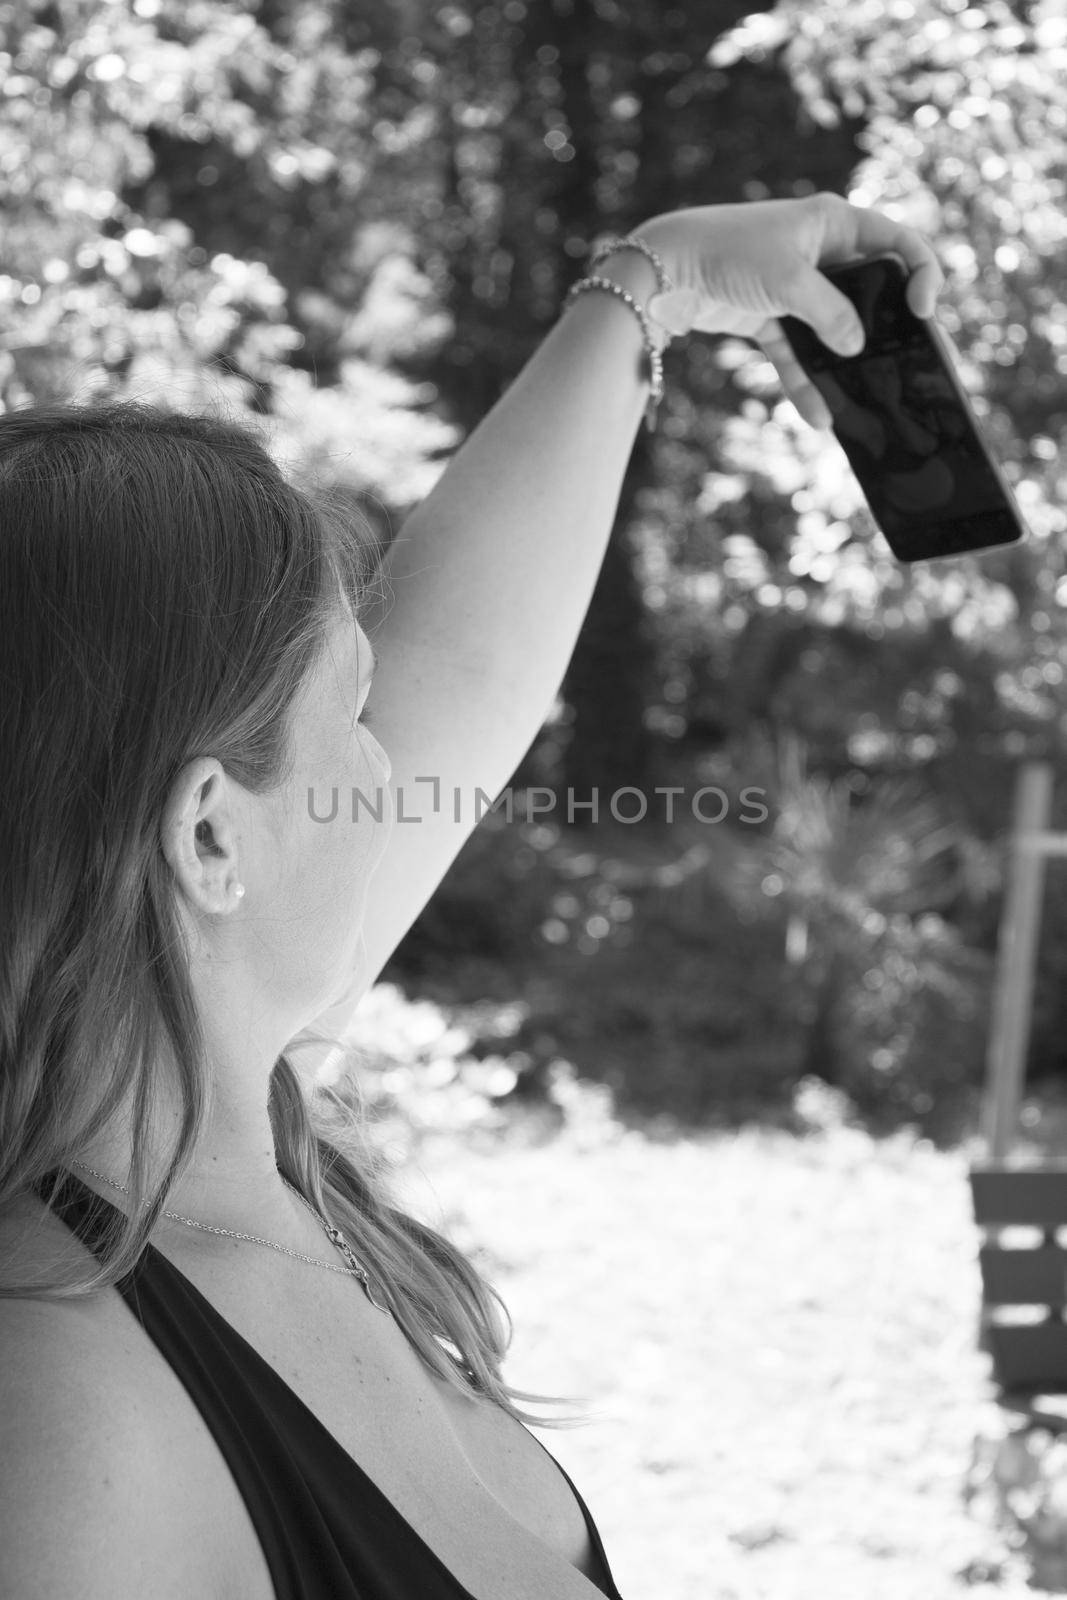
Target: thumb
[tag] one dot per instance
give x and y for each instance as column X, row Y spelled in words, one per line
column 817, row 302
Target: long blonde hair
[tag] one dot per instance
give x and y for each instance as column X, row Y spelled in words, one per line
column 164, row 591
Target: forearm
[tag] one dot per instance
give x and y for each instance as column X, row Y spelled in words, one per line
column 492, row 575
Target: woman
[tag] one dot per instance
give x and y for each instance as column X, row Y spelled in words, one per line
column 200, row 1400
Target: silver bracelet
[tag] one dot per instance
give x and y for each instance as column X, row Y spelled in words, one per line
column 632, row 241
column 655, row 359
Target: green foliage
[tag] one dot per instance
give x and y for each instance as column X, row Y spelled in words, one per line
column 911, row 1026
column 966, row 136
column 352, row 225
column 628, row 960
column 718, row 966
column 112, row 280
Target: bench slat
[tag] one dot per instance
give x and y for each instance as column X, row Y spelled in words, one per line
column 1024, row 1277
column 1029, row 1359
column 1018, row 1197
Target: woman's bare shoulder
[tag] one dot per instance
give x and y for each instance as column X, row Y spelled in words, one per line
column 96, row 1506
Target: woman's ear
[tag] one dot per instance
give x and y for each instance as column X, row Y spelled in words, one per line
column 198, row 837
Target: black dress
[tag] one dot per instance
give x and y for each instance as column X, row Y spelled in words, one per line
column 327, row 1531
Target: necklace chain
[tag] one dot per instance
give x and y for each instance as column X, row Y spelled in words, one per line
column 353, row 1269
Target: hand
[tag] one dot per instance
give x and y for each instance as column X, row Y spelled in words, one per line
column 738, row 268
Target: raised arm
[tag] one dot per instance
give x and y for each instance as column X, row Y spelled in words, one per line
column 491, row 576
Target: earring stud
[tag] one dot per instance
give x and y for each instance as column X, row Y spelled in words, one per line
column 238, row 889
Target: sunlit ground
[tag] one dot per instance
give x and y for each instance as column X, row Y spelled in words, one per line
column 777, row 1334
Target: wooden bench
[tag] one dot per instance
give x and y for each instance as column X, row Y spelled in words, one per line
column 1029, row 1357
column 1015, row 1468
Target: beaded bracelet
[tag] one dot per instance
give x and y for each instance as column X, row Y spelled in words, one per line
column 653, row 345
column 633, row 241
column 655, row 360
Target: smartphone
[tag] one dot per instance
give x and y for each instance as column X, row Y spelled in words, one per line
column 903, row 420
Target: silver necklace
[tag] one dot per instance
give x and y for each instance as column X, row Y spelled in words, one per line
column 335, row 1236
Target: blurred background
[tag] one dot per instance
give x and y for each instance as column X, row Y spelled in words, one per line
column 737, row 1064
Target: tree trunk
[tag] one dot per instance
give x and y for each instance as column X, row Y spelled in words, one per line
column 820, row 1046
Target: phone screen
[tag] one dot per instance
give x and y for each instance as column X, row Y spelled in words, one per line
column 905, row 423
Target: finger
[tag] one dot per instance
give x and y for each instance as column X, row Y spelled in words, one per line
column 924, row 286
column 874, row 233
column 817, row 301
column 796, row 384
